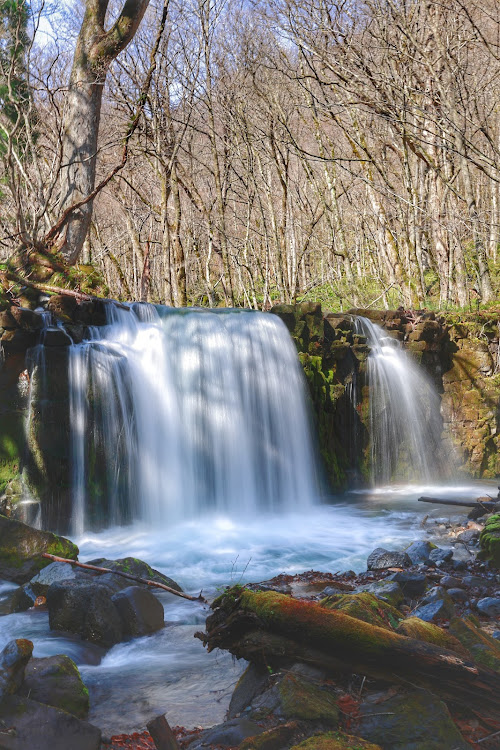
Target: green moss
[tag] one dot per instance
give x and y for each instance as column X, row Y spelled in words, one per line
column 484, row 649
column 489, row 541
column 365, row 606
column 303, row 700
column 335, row 741
column 414, row 627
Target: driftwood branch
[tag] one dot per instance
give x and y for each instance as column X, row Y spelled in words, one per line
column 274, row 629
column 131, row 577
column 488, row 504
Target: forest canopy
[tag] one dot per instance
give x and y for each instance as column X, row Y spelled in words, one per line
column 249, row 154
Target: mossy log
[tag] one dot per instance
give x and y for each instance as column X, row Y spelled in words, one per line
column 272, row 629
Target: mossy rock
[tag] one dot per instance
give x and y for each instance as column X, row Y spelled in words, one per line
column 335, row 741
column 484, row 649
column 136, row 567
column 415, row 720
column 301, row 699
column 414, row 627
column 273, row 739
column 367, row 607
column 56, row 682
column 21, row 549
column 489, row 541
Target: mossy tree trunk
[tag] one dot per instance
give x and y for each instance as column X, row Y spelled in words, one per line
column 270, row 628
column 96, row 48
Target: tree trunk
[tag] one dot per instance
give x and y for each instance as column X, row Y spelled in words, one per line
column 95, row 50
column 272, row 628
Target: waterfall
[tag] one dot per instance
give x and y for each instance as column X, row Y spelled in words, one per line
column 175, row 413
column 404, row 420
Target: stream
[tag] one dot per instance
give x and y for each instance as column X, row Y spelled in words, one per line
column 170, row 672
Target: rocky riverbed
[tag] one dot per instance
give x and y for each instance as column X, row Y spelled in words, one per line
column 430, row 592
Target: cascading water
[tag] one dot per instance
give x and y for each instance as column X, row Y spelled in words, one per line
column 176, row 413
column 405, row 423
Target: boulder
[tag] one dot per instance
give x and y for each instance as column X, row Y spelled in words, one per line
column 389, row 591
column 489, row 606
column 408, row 721
column 412, row 584
column 419, row 552
column 439, row 556
column 135, row 567
column 85, row 608
column 25, row 596
column 56, row 682
column 140, row 611
column 32, row 725
column 21, row 549
column 252, row 682
column 380, row 559
column 436, row 605
column 13, row 660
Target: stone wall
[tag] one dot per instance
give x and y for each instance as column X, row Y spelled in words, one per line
column 460, row 353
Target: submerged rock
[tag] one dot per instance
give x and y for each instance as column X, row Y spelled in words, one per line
column 21, row 549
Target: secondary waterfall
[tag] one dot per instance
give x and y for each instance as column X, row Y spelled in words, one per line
column 404, row 421
column 174, row 413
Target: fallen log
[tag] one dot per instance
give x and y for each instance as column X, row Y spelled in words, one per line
column 488, row 504
column 155, row 584
column 274, row 629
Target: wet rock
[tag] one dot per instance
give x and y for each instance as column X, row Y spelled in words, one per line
column 34, row 725
column 388, row 591
column 450, row 582
column 436, row 605
column 381, row 558
column 56, row 337
column 475, row 582
column 13, row 660
column 135, row 567
column 470, row 536
column 140, row 611
column 230, row 734
column 56, row 682
column 489, row 606
column 458, row 595
column 26, row 318
column 411, row 721
column 419, row 552
column 21, row 549
column 85, row 609
column 252, row 682
column 412, row 584
column 439, row 556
